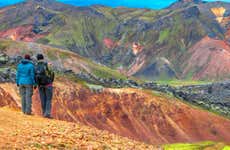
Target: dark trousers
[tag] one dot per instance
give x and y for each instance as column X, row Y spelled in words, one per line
column 46, row 94
column 26, row 92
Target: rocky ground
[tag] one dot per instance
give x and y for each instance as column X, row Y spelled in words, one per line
column 18, row 131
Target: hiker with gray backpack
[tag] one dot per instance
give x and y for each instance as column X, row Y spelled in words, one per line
column 44, row 77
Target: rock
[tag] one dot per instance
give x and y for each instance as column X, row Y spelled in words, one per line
column 7, row 75
column 3, row 58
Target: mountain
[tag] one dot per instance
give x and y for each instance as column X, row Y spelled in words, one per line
column 148, row 44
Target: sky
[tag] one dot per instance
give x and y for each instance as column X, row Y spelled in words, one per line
column 153, row 4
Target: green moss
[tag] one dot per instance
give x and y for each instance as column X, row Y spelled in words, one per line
column 105, row 72
column 196, row 146
column 226, row 148
column 64, row 55
column 4, row 45
column 182, row 82
column 43, row 41
column 3, row 26
column 163, row 35
column 51, row 54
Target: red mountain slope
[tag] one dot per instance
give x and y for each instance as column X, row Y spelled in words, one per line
column 209, row 58
column 21, row 33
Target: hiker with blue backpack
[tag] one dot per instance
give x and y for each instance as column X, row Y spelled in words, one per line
column 44, row 78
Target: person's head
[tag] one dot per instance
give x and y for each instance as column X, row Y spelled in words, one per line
column 27, row 57
column 40, row 57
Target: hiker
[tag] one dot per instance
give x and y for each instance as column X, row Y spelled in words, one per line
column 25, row 79
column 44, row 79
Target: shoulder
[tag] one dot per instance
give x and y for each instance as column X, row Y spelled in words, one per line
column 31, row 64
column 19, row 65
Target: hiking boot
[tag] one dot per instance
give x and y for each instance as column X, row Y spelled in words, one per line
column 48, row 117
column 29, row 114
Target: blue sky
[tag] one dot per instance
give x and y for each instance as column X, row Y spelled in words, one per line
column 154, row 4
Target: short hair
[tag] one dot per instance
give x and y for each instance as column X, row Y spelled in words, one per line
column 40, row 57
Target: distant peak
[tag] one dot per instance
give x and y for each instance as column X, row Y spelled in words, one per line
column 190, row 1
column 40, row 1
column 184, row 3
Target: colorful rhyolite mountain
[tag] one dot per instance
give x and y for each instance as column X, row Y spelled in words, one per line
column 148, row 44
